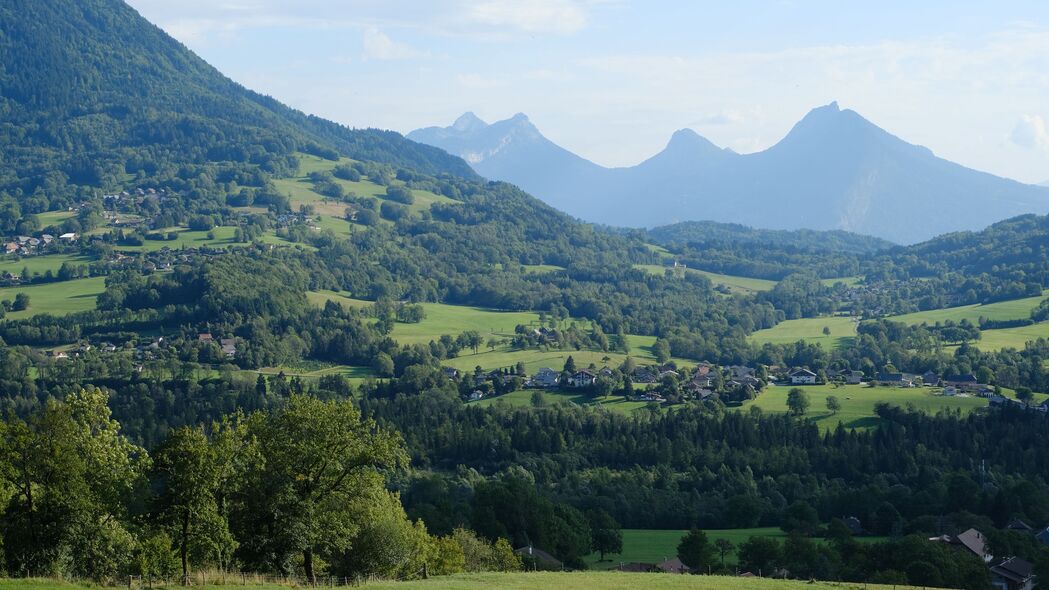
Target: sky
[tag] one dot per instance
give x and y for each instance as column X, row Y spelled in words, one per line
column 611, row 80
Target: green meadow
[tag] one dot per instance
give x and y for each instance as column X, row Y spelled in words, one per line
column 842, row 331
column 59, row 298
column 734, row 284
column 858, row 401
column 320, row 298
column 38, row 265
column 1002, row 310
column 523, row 399
column 655, row 546
column 1011, row 337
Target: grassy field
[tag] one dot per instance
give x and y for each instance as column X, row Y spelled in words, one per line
column 38, row 265
column 842, row 331
column 524, row 581
column 655, row 546
column 455, row 319
column 735, row 284
column 319, row 298
column 1011, row 337
column 56, row 298
column 857, row 402
column 1002, row 310
column 54, row 217
column 848, row 281
column 523, row 399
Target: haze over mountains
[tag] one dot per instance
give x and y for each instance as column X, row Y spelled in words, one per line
column 834, row 170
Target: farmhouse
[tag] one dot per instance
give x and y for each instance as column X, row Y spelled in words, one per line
column 1012, row 573
column 582, row 378
column 546, row 378
column 930, row 379
column 802, row 377
column 893, row 379
column 541, row 559
column 673, row 566
column 971, row 540
column 854, row 377
column 966, row 382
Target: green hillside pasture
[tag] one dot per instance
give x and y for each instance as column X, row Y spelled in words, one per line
column 188, row 239
column 523, row 399
column 848, row 281
column 521, row 581
column 54, row 217
column 655, row 546
column 1011, row 337
column 857, row 402
column 842, row 331
column 58, row 298
column 455, row 319
column 735, row 284
column 319, row 298
column 1003, row 310
column 314, row 371
column 38, row 265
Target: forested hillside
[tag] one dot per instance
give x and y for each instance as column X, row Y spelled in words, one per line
column 93, row 97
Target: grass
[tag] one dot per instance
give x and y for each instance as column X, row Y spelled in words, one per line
column 655, row 546
column 54, row 217
column 523, row 399
column 58, row 298
column 847, row 281
column 842, row 331
column 455, row 319
column 536, row 269
column 41, row 264
column 1002, row 310
column 1011, row 337
column 187, row 239
column 734, row 284
column 518, row 581
column 320, row 298
column 857, row 402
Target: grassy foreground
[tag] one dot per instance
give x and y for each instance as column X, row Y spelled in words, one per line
column 527, row 581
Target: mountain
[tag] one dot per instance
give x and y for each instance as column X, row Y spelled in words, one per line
column 90, row 92
column 834, row 170
column 701, row 234
column 1045, row 183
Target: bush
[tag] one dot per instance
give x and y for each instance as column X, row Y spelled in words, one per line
column 400, row 194
column 393, row 211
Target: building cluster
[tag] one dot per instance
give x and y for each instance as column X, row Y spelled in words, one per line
column 1007, row 573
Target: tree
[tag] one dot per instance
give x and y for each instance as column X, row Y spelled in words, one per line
column 189, row 469
column 318, row 461
column 570, row 365
column 695, row 550
column 759, row 555
column 21, row 302
column 607, row 536
column 724, row 547
column 797, row 401
column 661, row 350
column 1024, row 394
column 833, row 404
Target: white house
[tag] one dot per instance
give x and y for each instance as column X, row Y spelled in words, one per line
column 582, row 378
column 802, row 377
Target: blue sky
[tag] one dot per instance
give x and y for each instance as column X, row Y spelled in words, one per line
column 612, row 79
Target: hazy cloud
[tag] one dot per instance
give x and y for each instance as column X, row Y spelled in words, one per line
column 1031, row 132
column 378, row 45
column 561, row 17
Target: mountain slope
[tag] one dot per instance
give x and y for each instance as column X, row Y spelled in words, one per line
column 700, row 233
column 833, row 171
column 89, row 90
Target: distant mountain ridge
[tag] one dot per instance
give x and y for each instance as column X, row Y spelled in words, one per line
column 834, row 170
column 703, row 233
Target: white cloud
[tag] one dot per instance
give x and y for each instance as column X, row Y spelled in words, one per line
column 1031, row 132
column 560, row 17
column 378, row 45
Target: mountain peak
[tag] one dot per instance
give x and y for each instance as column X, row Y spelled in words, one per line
column 468, row 122
column 687, row 140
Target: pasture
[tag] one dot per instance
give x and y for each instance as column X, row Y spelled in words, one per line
column 59, row 298
column 858, row 401
column 1003, row 310
column 842, row 331
column 38, row 265
column 523, row 399
column 1011, row 337
column 735, row 284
